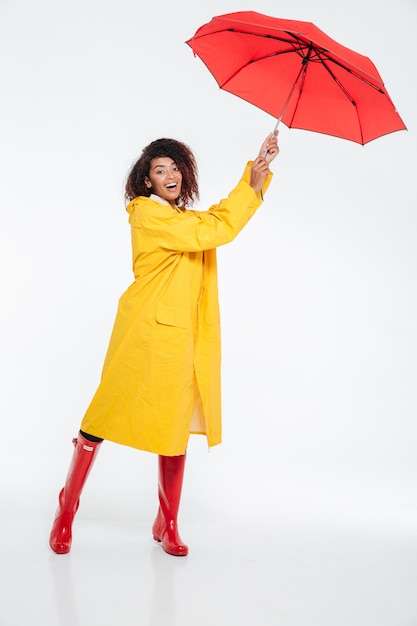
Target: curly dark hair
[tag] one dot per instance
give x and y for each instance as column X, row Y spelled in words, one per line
column 181, row 154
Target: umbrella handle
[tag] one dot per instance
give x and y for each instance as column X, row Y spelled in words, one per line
column 275, row 128
column 278, row 123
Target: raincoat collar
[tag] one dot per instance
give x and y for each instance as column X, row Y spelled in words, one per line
column 131, row 206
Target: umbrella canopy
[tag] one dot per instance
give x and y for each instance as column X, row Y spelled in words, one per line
column 295, row 72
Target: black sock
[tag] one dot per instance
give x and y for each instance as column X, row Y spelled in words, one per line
column 90, row 437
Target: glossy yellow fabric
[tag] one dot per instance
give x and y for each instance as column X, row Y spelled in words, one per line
column 163, row 360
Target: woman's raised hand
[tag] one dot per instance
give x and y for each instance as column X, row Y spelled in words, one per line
column 269, row 149
column 260, row 167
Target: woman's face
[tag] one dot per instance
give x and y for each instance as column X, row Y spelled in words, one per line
column 164, row 179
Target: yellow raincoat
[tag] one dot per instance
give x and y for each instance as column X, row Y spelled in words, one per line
column 161, row 375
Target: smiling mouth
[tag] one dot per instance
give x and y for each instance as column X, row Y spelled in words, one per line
column 171, row 186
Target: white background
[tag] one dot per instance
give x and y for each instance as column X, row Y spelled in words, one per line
column 318, row 293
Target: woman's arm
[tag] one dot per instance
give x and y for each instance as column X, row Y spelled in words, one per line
column 191, row 231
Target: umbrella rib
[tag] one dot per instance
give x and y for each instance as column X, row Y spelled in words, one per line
column 325, row 57
column 301, row 77
column 242, row 67
column 347, row 94
column 338, row 83
column 291, row 40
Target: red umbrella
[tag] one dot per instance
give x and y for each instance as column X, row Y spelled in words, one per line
column 295, row 72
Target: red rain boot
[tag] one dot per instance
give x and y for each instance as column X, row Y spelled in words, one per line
column 165, row 530
column 69, row 498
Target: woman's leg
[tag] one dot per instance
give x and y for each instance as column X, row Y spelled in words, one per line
column 165, row 527
column 86, row 449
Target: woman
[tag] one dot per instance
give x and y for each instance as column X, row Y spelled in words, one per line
column 161, row 375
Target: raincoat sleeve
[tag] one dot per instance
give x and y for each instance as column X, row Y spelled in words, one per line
column 194, row 231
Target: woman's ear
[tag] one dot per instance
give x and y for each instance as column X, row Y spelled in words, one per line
column 148, row 183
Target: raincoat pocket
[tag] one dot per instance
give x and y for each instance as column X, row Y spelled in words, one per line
column 172, row 316
column 171, row 333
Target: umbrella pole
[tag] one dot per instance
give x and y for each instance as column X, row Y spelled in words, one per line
column 300, row 77
column 279, row 120
column 287, row 101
